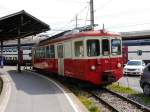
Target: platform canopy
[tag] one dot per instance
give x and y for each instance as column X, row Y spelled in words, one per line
column 19, row 25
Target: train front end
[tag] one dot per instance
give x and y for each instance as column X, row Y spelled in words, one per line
column 104, row 64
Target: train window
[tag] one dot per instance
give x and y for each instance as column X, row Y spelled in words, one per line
column 36, row 53
column 40, row 52
column 67, row 51
column 9, row 50
column 14, row 50
column 116, row 47
column 43, row 52
column 60, row 51
column 6, row 50
column 47, row 52
column 93, row 48
column 52, row 51
column 79, row 49
column 105, row 47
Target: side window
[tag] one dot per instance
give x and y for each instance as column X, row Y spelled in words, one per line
column 67, row 49
column 79, row 49
column 52, row 51
column 42, row 52
column 47, row 52
column 60, row 51
column 37, row 53
column 105, row 47
column 93, row 48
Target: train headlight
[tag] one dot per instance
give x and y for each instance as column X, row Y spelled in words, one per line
column 93, row 67
column 119, row 65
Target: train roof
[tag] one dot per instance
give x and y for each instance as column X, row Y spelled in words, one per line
column 15, row 45
column 76, row 34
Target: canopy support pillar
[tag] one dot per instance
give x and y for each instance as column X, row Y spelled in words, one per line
column 19, row 42
column 1, row 61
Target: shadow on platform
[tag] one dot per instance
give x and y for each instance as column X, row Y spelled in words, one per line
column 33, row 84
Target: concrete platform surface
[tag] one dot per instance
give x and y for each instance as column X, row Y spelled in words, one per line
column 32, row 93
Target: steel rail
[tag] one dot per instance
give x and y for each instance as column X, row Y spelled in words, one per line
column 104, row 102
column 138, row 105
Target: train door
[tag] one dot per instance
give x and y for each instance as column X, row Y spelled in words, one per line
column 106, row 54
column 60, row 54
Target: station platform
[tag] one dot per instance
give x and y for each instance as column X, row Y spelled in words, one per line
column 31, row 92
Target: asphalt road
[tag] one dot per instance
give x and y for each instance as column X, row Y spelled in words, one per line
column 31, row 93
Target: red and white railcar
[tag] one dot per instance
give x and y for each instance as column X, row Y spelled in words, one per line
column 92, row 56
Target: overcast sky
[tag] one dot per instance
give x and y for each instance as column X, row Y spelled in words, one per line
column 117, row 15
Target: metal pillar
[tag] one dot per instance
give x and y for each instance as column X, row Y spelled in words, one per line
column 1, row 63
column 19, row 55
column 92, row 13
column 76, row 21
column 19, row 42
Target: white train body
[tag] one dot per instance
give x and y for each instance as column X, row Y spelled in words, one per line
column 139, row 52
column 11, row 54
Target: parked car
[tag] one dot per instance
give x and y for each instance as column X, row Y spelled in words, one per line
column 145, row 80
column 134, row 67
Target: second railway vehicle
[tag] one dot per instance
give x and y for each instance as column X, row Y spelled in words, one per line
column 10, row 54
column 91, row 56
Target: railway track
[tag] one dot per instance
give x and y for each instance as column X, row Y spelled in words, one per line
column 113, row 101
column 116, row 102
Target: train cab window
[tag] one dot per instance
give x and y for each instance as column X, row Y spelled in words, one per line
column 79, row 49
column 93, row 48
column 116, row 47
column 105, row 47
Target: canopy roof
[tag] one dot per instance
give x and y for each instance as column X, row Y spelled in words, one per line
column 19, row 25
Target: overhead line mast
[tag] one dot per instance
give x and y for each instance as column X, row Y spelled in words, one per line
column 92, row 13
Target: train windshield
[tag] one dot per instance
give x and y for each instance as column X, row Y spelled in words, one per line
column 93, row 48
column 116, row 47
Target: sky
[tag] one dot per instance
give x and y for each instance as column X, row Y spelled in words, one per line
column 116, row 15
